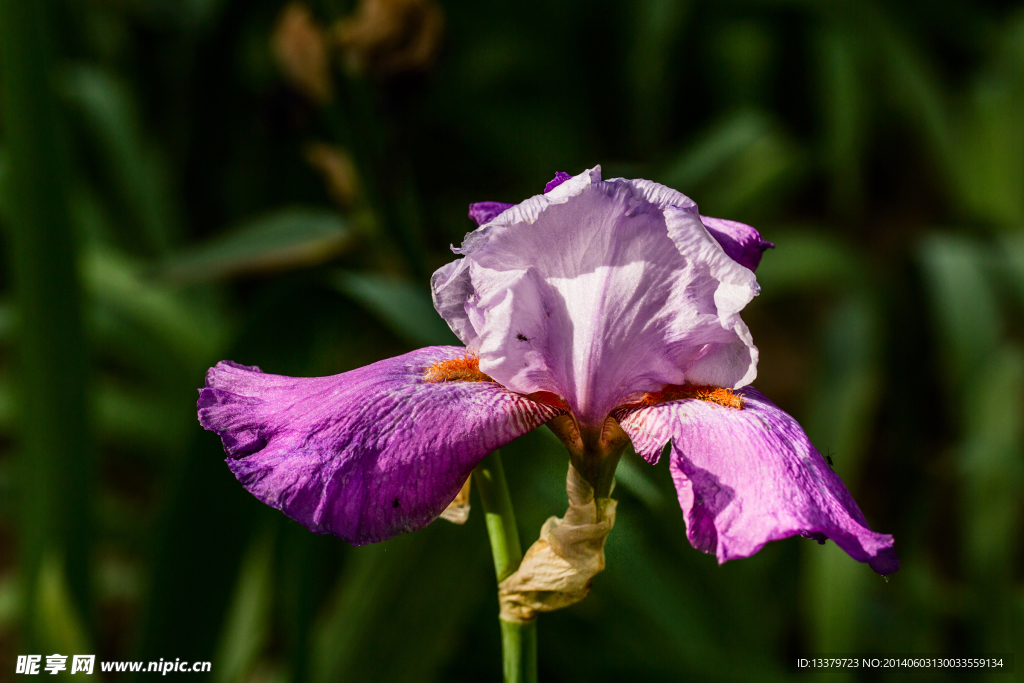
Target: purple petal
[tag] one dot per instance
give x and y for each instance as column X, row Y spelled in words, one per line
column 485, row 212
column 598, row 291
column 367, row 454
column 741, row 242
column 559, row 178
column 746, row 477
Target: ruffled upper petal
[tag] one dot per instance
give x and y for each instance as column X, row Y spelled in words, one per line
column 741, row 242
column 485, row 212
column 367, row 454
column 749, row 476
column 597, row 291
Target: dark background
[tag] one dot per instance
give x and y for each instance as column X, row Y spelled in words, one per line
column 183, row 181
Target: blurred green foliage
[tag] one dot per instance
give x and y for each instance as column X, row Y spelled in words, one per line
column 180, row 184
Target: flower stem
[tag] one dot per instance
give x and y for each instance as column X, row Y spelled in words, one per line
column 519, row 651
column 518, row 640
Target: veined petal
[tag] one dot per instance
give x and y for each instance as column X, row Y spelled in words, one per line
column 597, row 291
column 367, row 454
column 748, row 476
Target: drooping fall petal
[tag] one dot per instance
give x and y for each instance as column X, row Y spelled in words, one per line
column 749, row 476
column 367, row 454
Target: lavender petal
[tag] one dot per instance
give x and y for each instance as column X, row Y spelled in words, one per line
column 598, row 290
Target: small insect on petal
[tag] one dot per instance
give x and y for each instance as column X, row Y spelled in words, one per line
column 465, row 369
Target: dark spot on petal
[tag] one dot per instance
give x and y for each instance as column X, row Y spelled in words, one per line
column 817, row 536
column 394, row 503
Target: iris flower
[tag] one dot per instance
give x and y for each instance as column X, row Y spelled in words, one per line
column 609, row 310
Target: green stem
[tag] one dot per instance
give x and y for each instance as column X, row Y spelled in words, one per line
column 519, row 651
column 518, row 640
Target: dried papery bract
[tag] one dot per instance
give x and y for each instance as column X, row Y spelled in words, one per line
column 457, row 511
column 558, row 568
column 387, row 37
column 301, row 51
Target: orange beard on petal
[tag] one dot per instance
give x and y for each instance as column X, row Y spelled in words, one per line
column 465, row 369
column 702, row 392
